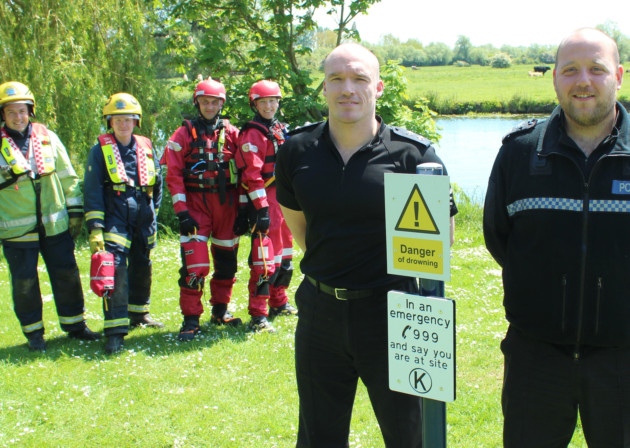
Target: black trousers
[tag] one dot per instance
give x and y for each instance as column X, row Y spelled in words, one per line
column 545, row 388
column 58, row 255
column 132, row 284
column 337, row 343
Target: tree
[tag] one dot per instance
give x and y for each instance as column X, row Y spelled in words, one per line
column 481, row 55
column 247, row 40
column 623, row 42
column 462, row 49
column 392, row 108
column 73, row 56
column 438, row 54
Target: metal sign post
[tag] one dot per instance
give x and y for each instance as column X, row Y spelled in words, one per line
column 421, row 328
column 433, row 412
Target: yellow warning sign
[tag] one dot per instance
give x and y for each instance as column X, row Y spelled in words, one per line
column 416, row 216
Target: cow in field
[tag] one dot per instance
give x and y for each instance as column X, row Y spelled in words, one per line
column 541, row 68
column 535, row 74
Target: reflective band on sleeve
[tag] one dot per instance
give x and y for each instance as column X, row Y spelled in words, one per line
column 569, row 205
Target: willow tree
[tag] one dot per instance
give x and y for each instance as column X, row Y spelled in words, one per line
column 73, row 55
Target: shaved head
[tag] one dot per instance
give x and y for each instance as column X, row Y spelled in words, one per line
column 593, row 35
column 350, row 51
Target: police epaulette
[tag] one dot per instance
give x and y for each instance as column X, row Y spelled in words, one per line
column 521, row 128
column 305, row 127
column 410, row 135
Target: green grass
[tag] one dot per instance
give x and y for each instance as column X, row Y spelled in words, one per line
column 229, row 388
column 460, row 90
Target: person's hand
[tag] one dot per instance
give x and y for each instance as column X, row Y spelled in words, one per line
column 241, row 223
column 96, row 240
column 262, row 220
column 187, row 225
column 74, row 226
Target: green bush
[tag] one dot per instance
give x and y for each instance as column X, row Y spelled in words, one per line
column 500, row 60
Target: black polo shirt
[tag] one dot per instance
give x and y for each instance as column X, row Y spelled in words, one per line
column 344, row 205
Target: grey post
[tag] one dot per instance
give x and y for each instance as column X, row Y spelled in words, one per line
column 433, row 412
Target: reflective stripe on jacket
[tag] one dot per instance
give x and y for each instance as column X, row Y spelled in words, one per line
column 57, row 186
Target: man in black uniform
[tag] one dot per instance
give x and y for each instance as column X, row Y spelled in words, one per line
column 556, row 219
column 330, row 184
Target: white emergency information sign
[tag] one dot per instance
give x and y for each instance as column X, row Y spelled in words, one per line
column 417, row 220
column 421, row 338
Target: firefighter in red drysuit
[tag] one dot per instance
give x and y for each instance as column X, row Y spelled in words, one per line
column 256, row 159
column 123, row 192
column 202, row 180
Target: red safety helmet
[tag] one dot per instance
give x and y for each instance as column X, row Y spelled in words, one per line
column 209, row 88
column 264, row 89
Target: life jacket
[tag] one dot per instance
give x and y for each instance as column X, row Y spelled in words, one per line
column 276, row 135
column 40, row 162
column 207, row 169
column 116, row 168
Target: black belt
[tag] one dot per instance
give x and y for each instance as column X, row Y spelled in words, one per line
column 346, row 294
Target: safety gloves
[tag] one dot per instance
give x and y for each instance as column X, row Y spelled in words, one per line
column 74, row 226
column 241, row 223
column 97, row 243
column 262, row 220
column 187, row 225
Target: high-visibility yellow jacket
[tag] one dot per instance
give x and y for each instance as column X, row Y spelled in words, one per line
column 30, row 200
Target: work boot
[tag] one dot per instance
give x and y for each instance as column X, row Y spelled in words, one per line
column 190, row 328
column 36, row 341
column 84, row 334
column 260, row 324
column 226, row 319
column 283, row 310
column 143, row 320
column 114, row 344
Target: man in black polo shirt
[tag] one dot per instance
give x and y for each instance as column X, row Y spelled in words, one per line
column 330, row 184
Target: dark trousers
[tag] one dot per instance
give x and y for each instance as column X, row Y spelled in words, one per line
column 336, row 343
column 132, row 285
column 545, row 388
column 58, row 255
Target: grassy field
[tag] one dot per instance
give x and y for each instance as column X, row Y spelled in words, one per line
column 485, row 89
column 229, row 388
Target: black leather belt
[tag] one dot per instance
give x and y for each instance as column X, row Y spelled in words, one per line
column 345, row 294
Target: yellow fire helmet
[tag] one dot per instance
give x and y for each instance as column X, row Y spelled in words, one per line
column 16, row 92
column 122, row 104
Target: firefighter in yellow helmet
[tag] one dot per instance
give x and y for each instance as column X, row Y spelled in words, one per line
column 123, row 191
column 41, row 210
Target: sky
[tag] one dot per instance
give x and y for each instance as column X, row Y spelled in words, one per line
column 496, row 22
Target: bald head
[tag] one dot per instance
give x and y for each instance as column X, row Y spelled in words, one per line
column 353, row 51
column 592, row 37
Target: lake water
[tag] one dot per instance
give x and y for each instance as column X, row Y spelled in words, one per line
column 468, row 148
